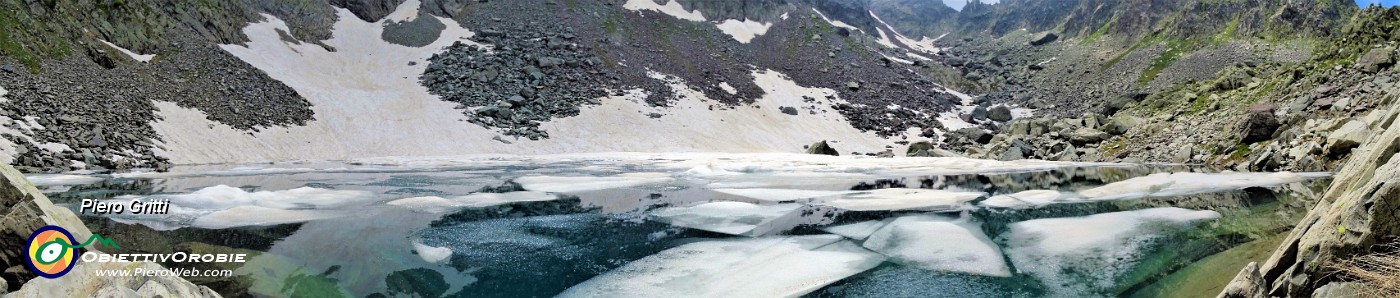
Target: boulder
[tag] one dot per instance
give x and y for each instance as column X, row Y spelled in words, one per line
column 1115, row 126
column 1259, row 124
column 788, row 110
column 1349, row 136
column 1044, row 38
column 1247, row 284
column 1112, row 106
column 920, row 148
column 822, row 148
column 1085, row 135
column 853, row 85
column 999, row 113
column 969, row 134
column 979, row 113
column 1376, row 59
column 1012, row 153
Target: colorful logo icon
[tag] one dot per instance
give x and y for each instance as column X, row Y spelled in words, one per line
column 51, row 252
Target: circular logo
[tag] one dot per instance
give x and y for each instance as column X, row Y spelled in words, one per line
column 51, row 252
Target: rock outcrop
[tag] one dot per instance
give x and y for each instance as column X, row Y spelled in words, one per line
column 1359, row 210
column 25, row 209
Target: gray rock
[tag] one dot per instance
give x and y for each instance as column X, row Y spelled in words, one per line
column 1085, row 135
column 969, row 134
column 853, row 85
column 822, row 148
column 1044, row 38
column 999, row 113
column 1376, row 59
column 920, row 148
column 1349, row 136
column 788, row 110
column 547, row 62
column 1247, row 284
column 1012, row 153
column 1183, row 155
column 1342, row 290
column 1259, row 125
column 1115, row 126
column 979, row 113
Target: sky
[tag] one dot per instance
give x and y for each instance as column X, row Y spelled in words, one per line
column 1362, row 3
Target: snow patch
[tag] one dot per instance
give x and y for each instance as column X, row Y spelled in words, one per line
column 1025, row 199
column 243, row 216
column 838, row 24
column 727, row 88
column 939, row 244
column 743, row 31
column 408, row 11
column 761, row 267
column 1083, row 256
column 129, row 53
column 672, row 8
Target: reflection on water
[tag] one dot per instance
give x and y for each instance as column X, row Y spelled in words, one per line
column 367, row 247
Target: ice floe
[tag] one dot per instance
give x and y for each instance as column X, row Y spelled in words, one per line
column 734, row 218
column 434, row 204
column 939, row 244
column 61, row 179
column 780, row 195
column 590, row 183
column 1178, row 184
column 1026, row 199
column 224, row 196
column 760, row 267
column 256, row 216
column 1082, row 256
column 431, row 254
column 857, row 231
column 891, row 199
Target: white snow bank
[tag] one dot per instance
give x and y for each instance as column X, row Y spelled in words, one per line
column 672, row 8
column 1178, row 184
column 762, row 267
column 129, row 53
column 857, row 231
column 581, row 184
column 61, row 179
column 408, row 11
column 939, row 244
column 256, row 216
column 838, row 24
column 734, row 218
column 743, row 31
column 892, row 199
column 1025, row 199
column 780, row 195
column 727, row 88
column 433, row 204
column 1079, row 256
column 431, row 254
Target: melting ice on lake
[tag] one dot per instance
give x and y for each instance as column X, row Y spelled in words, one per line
column 688, row 224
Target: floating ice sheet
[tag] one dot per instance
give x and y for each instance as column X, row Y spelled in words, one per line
column 431, row 254
column 1177, row 184
column 61, row 179
column 857, row 231
column 224, row 196
column 734, row 218
column 1085, row 256
column 779, row 194
column 1026, row 199
column 890, row 199
column 589, row 183
column 256, row 216
column 435, row 204
column 759, row 267
column 939, row 244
